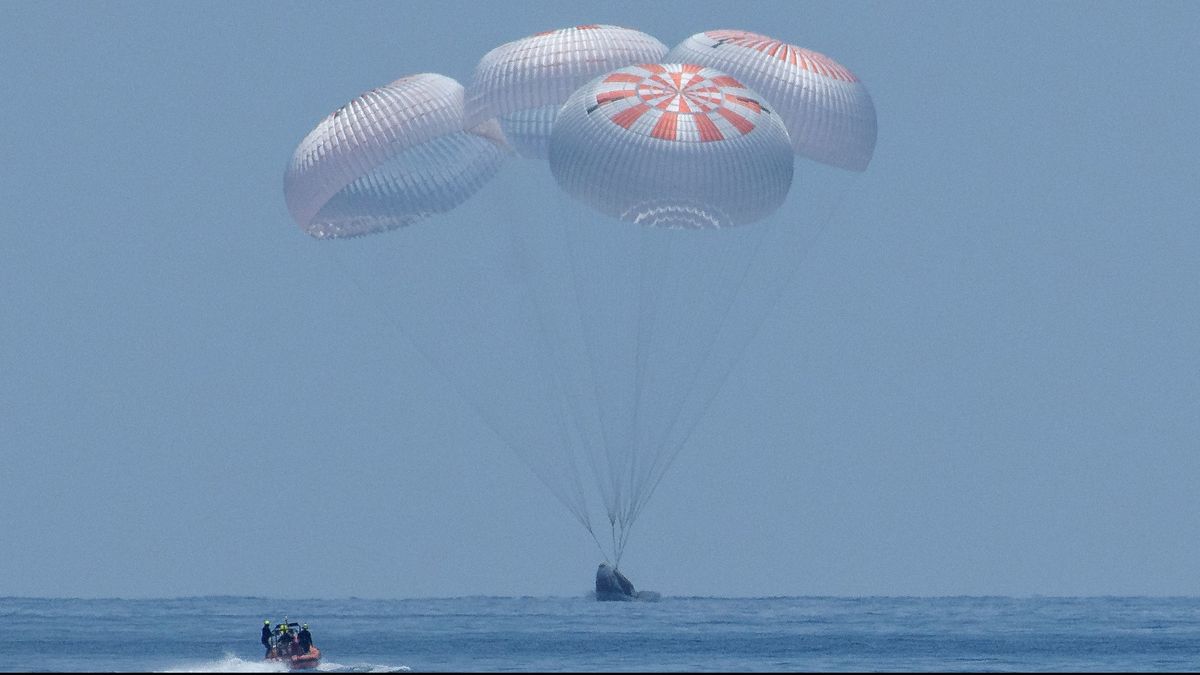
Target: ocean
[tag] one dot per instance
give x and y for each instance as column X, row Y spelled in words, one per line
column 221, row 634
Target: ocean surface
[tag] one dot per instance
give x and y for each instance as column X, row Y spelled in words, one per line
column 221, row 634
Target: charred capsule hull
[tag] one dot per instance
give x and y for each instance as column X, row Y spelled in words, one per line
column 611, row 585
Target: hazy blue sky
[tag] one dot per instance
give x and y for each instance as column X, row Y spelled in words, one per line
column 984, row 379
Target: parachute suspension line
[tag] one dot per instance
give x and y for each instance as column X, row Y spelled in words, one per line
column 587, row 376
column 646, row 325
column 522, row 232
column 577, row 412
column 628, row 531
column 600, row 548
column 804, row 246
column 664, row 456
column 617, row 548
column 621, row 544
column 437, row 365
column 610, row 492
column 638, row 364
column 551, row 376
column 347, row 271
column 624, row 540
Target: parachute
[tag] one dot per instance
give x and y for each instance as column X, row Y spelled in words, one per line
column 523, row 83
column 589, row 307
column 391, row 157
column 829, row 114
column 673, row 145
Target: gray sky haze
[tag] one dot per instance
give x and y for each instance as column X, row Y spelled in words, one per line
column 983, row 379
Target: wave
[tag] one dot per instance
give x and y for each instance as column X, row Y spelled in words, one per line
column 234, row 664
column 230, row 664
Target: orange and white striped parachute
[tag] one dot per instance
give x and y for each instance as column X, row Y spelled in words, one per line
column 674, row 145
column 829, row 114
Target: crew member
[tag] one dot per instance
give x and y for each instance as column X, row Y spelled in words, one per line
column 285, row 640
column 305, row 638
column 266, row 636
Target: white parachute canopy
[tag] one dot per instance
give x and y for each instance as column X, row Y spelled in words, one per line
column 392, row 156
column 523, row 83
column 829, row 114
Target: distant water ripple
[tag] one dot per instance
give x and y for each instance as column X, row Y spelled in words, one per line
column 220, row 634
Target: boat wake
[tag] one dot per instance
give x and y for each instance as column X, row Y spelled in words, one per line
column 230, row 664
column 331, row 667
column 234, row 664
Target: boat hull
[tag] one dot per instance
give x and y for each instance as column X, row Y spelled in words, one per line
column 305, row 661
